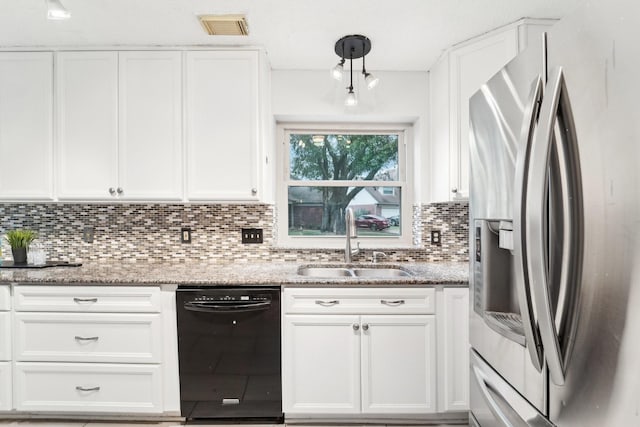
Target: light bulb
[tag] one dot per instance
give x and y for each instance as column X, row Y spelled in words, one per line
column 337, row 71
column 350, row 100
column 371, row 81
column 56, row 11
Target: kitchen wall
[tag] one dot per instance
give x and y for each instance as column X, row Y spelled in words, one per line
column 151, row 232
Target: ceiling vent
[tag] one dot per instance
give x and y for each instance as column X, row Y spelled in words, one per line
column 224, row 25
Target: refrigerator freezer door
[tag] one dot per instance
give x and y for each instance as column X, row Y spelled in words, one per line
column 499, row 112
column 598, row 49
column 494, row 403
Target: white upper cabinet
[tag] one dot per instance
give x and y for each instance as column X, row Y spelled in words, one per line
column 26, row 119
column 150, row 125
column 454, row 79
column 87, row 124
column 222, row 110
column 119, row 125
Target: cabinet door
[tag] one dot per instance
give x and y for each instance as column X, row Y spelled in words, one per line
column 454, row 349
column 321, row 364
column 398, row 364
column 87, row 124
column 26, row 132
column 470, row 66
column 150, row 125
column 5, row 336
column 222, row 125
column 5, row 386
column 88, row 387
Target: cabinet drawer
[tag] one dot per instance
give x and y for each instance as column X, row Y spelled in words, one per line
column 88, row 337
column 359, row 300
column 5, row 336
column 5, row 298
column 104, row 299
column 5, row 386
column 101, row 388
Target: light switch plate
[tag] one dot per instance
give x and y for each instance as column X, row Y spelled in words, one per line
column 185, row 235
column 252, row 235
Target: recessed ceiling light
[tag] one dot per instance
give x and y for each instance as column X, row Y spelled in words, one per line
column 224, row 25
column 56, row 11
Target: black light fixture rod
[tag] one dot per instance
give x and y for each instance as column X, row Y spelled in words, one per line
column 351, row 72
column 364, row 69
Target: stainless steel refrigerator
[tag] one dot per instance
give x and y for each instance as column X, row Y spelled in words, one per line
column 555, row 228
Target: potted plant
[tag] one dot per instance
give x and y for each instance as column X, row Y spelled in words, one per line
column 19, row 241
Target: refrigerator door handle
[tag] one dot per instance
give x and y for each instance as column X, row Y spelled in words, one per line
column 556, row 119
column 511, row 409
column 531, row 334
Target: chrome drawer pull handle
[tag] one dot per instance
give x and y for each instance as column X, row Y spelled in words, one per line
column 327, row 303
column 81, row 300
column 86, row 338
column 392, row 302
column 80, row 388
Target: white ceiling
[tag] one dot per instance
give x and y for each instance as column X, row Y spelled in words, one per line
column 297, row 34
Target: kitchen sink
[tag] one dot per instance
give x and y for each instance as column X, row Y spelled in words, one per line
column 325, row 272
column 380, row 272
column 353, row 271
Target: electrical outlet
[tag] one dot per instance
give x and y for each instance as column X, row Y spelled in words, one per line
column 252, row 235
column 185, row 235
column 435, row 237
column 87, row 234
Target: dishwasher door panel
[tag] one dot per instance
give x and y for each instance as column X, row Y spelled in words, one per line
column 229, row 353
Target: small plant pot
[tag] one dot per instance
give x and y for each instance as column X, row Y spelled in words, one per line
column 19, row 255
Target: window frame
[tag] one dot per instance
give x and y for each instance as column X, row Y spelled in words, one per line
column 404, row 182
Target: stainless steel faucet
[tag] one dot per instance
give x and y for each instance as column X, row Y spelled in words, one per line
column 377, row 254
column 350, row 222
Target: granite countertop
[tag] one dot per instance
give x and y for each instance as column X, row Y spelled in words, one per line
column 236, row 274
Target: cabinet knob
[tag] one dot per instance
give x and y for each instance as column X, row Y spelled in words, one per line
column 254, row 191
column 120, row 191
column 112, row 191
column 454, row 190
column 356, row 326
column 365, row 326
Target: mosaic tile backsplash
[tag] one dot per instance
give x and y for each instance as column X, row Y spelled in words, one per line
column 151, row 232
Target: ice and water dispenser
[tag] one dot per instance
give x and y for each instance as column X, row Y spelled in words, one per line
column 495, row 295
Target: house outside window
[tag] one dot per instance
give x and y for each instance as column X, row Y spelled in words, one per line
column 325, row 169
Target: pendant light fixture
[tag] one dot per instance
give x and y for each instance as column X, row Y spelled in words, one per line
column 56, row 11
column 353, row 47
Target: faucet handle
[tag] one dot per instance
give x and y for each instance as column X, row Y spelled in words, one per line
column 376, row 254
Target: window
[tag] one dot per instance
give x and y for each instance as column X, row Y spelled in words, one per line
column 327, row 169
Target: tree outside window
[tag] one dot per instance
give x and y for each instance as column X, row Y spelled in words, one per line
column 328, row 172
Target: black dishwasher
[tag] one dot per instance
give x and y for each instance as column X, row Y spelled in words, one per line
column 229, row 353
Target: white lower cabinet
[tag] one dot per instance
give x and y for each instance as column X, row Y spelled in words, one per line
column 5, row 386
column 88, row 387
column 5, row 336
column 398, row 359
column 94, row 349
column 88, row 337
column 321, row 366
column 364, row 362
column 5, row 349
